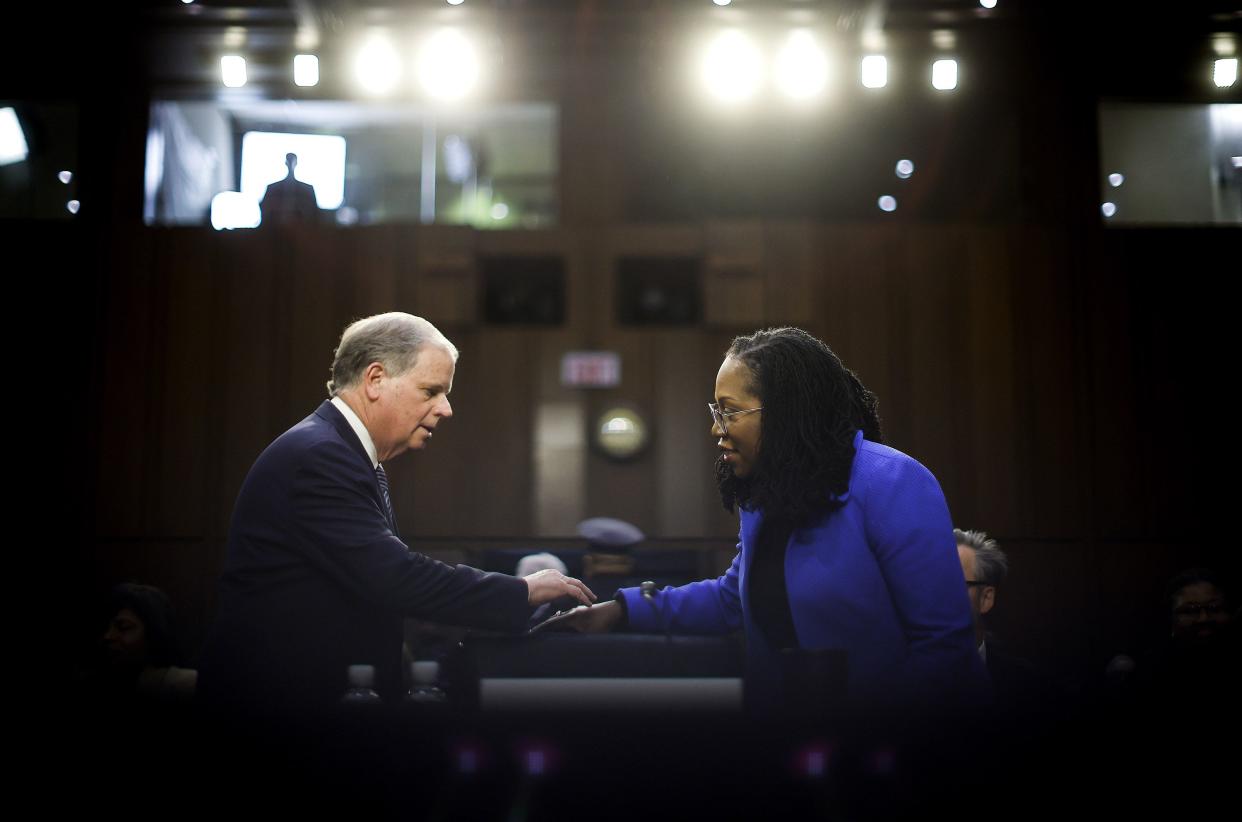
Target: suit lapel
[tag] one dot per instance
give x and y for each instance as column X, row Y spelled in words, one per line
column 330, row 414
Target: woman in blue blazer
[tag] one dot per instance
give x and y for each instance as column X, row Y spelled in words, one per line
column 845, row 543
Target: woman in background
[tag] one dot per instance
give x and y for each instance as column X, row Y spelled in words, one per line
column 140, row 647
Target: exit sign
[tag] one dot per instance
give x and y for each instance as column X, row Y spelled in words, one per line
column 591, row 369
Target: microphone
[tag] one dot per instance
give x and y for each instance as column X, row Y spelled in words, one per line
column 648, row 590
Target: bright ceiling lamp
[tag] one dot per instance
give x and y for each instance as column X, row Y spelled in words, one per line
column 448, row 66
column 233, row 71
column 875, row 71
column 1225, row 72
column 306, row 70
column 801, row 69
column 377, row 66
column 13, row 147
column 944, row 75
column 732, row 67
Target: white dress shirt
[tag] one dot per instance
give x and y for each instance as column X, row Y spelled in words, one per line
column 361, row 430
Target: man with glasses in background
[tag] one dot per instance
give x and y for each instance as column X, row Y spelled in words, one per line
column 1018, row 684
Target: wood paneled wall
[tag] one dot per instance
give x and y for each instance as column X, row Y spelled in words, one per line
column 1038, row 379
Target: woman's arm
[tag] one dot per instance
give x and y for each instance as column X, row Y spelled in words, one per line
column 911, row 535
column 710, row 606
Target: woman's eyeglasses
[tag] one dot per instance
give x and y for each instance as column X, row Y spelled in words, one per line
column 721, row 418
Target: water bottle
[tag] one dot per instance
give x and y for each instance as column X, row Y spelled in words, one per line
column 361, row 690
column 424, row 687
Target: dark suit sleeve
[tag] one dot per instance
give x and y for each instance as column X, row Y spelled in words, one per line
column 345, row 533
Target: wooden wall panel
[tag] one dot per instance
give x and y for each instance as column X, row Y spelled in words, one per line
column 376, row 273
column 182, row 409
column 250, row 416
column 1051, row 413
column 683, row 448
column 122, row 476
column 1040, row 388
column 930, row 276
column 792, row 265
column 1160, row 336
column 985, row 413
column 735, row 289
column 475, row 477
column 311, row 318
column 1118, row 491
column 857, row 308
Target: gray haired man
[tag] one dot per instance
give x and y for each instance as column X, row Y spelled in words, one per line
column 317, row 577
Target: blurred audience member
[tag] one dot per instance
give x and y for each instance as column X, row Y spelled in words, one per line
column 531, row 563
column 1197, row 663
column 141, row 653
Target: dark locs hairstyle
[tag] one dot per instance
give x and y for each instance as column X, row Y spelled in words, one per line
column 812, row 405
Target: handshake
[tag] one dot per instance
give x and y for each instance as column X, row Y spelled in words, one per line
column 593, row 619
column 549, row 584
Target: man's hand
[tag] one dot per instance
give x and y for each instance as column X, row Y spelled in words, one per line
column 548, row 584
column 597, row 619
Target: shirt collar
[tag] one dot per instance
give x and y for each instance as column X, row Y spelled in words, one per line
column 361, row 430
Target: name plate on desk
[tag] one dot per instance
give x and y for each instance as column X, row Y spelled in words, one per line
column 607, row 656
column 543, row 672
column 707, row 694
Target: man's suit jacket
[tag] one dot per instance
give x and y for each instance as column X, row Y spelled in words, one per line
column 289, row 201
column 316, row 578
column 879, row 578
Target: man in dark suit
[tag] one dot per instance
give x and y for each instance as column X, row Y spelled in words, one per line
column 316, row 577
column 289, row 200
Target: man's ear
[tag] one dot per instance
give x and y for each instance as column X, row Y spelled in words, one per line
column 987, row 598
column 372, row 377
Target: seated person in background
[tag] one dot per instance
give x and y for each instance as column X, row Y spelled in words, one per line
column 531, row 563
column 1197, row 663
column 1018, row 683
column 845, row 544
column 141, row 649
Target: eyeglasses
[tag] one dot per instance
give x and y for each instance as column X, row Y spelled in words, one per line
column 721, row 418
column 1192, row 609
column 973, row 582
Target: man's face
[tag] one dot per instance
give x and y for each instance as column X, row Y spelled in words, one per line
column 982, row 597
column 410, row 406
column 1199, row 613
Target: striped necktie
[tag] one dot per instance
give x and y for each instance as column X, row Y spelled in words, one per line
column 383, row 484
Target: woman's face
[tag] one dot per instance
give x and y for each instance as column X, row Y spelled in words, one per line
column 126, row 638
column 739, row 440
